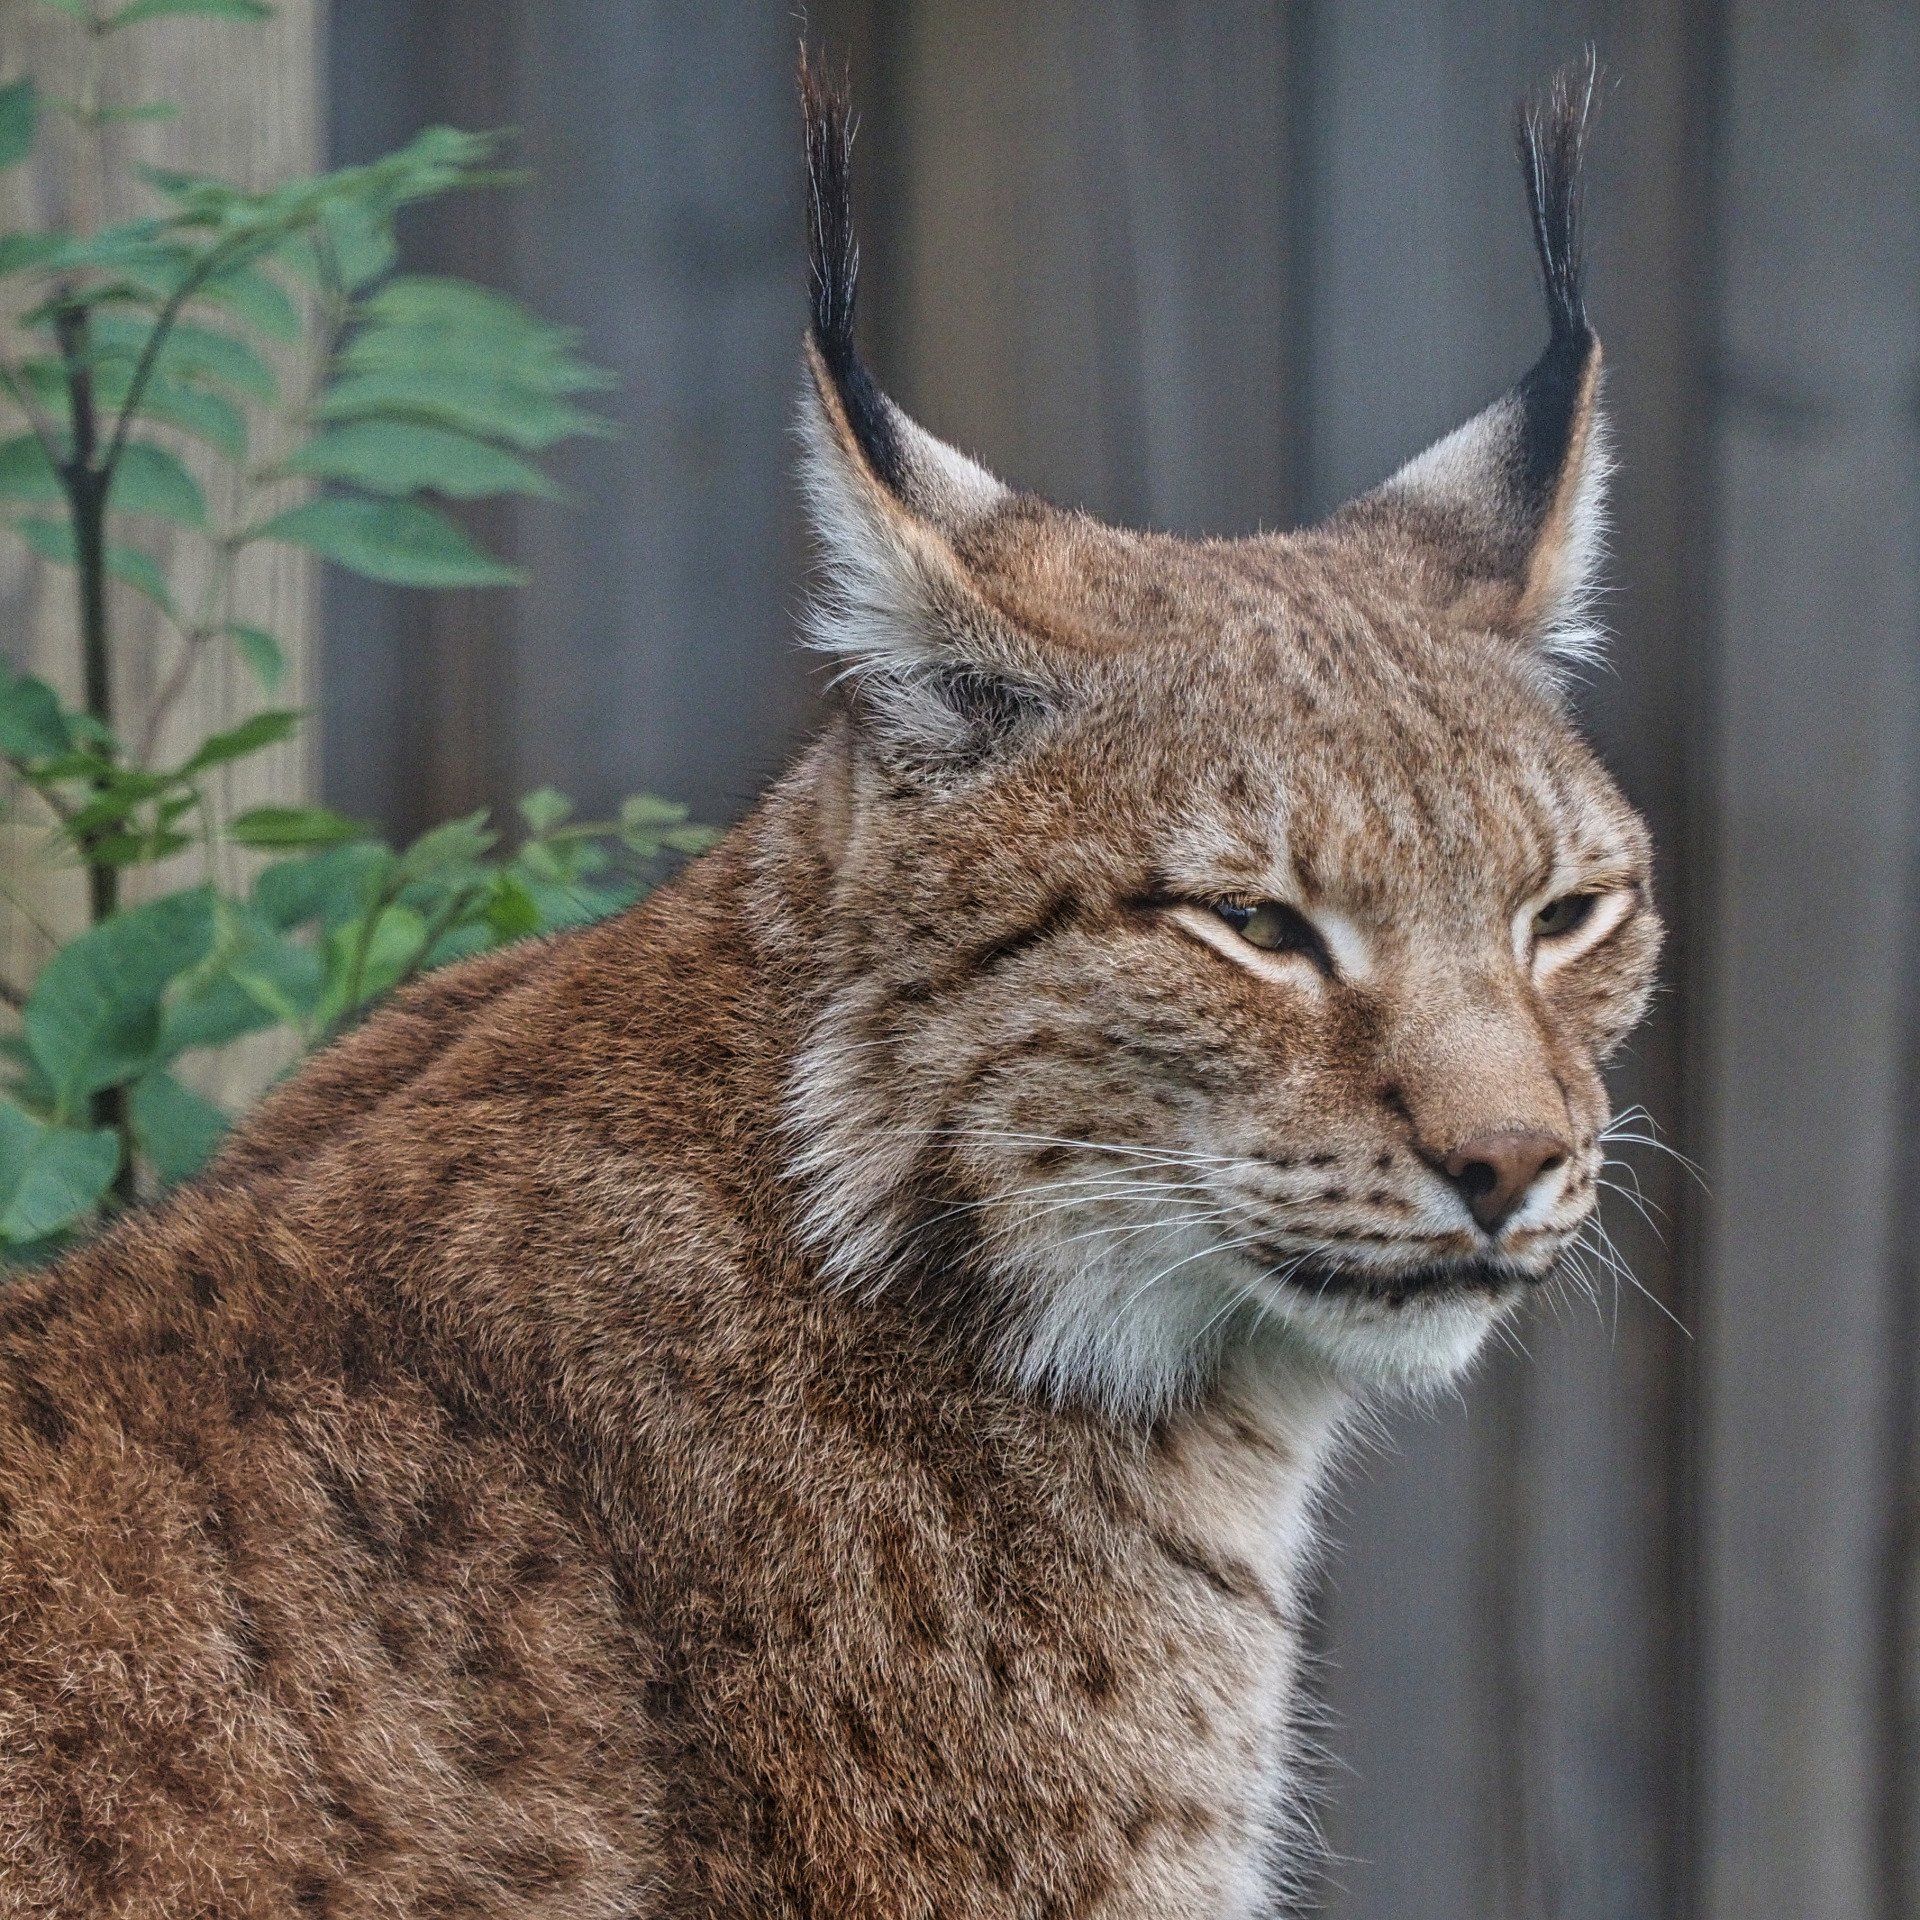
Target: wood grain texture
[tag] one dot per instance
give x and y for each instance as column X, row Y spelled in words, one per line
column 1818, row 598
column 250, row 112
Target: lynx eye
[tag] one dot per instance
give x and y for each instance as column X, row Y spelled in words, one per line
column 1274, row 927
column 1566, row 915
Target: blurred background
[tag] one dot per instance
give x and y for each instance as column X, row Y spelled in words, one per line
column 1631, row 1630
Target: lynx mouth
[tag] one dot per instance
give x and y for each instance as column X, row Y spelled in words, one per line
column 1434, row 1281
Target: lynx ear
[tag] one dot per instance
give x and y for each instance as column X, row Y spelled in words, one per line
column 933, row 671
column 1510, row 508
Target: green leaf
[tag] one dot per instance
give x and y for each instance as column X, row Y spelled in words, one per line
column 404, row 456
column 255, row 977
column 177, row 1129
column 419, row 319
column 249, row 295
column 27, row 474
column 133, row 113
column 329, row 887
column 32, row 726
column 50, row 1176
column 19, row 118
column 261, row 651
column 512, row 911
column 142, row 10
column 93, row 1018
column 573, row 905
column 149, row 479
column 543, row 810
column 262, row 730
column 22, row 251
column 490, row 406
column 190, row 350
column 207, row 416
column 644, row 810
column 129, row 246
column 453, row 847
column 54, row 540
column 126, row 791
column 281, row 828
column 398, row 541
column 398, row 939
column 352, row 246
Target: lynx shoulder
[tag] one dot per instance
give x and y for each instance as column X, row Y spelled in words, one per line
column 809, row 1398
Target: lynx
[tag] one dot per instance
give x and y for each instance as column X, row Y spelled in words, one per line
column 809, row 1398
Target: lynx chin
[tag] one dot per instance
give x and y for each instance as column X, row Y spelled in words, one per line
column 807, row 1399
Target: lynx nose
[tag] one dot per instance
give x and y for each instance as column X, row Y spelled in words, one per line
column 1496, row 1171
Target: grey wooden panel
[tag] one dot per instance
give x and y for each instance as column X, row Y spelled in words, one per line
column 1503, row 1668
column 1080, row 266
column 661, row 218
column 414, row 687
column 664, row 220
column 1819, row 589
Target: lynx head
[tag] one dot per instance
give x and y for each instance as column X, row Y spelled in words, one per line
column 1221, row 937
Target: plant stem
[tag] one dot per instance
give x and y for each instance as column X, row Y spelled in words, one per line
column 86, row 482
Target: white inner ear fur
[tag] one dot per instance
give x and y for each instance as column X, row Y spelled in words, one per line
column 1465, row 471
column 890, row 570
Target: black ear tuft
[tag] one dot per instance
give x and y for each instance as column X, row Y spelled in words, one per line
column 1551, row 133
column 833, row 265
column 1508, row 510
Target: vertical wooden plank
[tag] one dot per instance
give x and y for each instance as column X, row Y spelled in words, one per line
column 415, row 696
column 249, row 99
column 663, row 219
column 1900, row 1723
column 1502, row 1667
column 1819, row 585
column 655, row 647
column 1603, row 1468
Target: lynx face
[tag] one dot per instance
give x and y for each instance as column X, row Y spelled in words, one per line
column 1229, row 933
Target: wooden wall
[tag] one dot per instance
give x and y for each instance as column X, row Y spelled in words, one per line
column 249, row 110
column 1631, row 1630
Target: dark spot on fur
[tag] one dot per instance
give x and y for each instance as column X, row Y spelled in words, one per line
column 490, row 1753
column 1138, row 1819
column 41, row 1412
column 1097, row 1677
column 205, row 1288
column 1194, row 1820
column 999, row 1670
column 857, row 1727
column 249, row 1642
column 1231, row 1579
column 313, row 1892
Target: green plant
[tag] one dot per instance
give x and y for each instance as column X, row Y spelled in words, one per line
column 134, row 344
